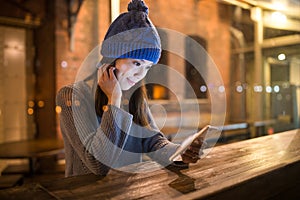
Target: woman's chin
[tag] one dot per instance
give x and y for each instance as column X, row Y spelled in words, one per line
column 125, row 88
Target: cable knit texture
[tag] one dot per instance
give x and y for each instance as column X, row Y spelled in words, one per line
column 132, row 35
column 94, row 145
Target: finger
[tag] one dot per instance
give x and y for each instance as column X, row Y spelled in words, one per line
column 199, row 140
column 188, row 159
column 105, row 73
column 197, row 150
column 102, row 69
column 190, row 153
column 199, row 143
column 100, row 78
column 196, row 145
column 111, row 73
column 194, row 148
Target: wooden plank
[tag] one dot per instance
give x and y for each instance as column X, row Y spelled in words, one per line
column 31, row 148
column 226, row 167
column 272, row 183
column 259, row 168
column 33, row 191
column 272, row 157
column 8, row 181
column 128, row 184
column 16, row 169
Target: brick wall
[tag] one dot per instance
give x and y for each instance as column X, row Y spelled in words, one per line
column 92, row 22
column 203, row 18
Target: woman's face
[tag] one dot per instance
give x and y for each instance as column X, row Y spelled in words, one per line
column 130, row 71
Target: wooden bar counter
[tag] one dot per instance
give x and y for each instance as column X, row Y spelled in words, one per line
column 262, row 168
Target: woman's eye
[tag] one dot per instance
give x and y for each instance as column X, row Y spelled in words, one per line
column 137, row 64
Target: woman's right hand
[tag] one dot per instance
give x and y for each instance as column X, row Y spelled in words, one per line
column 109, row 84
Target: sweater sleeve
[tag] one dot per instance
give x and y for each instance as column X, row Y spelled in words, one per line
column 157, row 146
column 97, row 145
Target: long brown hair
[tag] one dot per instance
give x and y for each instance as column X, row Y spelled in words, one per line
column 136, row 106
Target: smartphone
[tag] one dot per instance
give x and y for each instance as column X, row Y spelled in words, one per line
column 189, row 140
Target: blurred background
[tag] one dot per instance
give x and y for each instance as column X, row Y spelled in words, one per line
column 254, row 44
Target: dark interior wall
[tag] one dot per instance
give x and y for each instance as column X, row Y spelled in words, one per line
column 38, row 16
column 20, row 8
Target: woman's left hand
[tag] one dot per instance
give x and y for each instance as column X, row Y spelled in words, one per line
column 194, row 151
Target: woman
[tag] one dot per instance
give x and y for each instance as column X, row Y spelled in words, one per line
column 116, row 128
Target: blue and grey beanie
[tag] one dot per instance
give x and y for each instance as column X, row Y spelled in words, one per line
column 132, row 35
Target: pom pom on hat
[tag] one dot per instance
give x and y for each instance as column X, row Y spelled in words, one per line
column 132, row 35
column 137, row 5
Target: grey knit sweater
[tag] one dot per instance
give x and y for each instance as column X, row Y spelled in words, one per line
column 94, row 145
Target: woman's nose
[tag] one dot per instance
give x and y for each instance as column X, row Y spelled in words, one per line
column 140, row 73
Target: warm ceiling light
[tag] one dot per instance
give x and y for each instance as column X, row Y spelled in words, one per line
column 278, row 5
column 279, row 17
column 281, row 56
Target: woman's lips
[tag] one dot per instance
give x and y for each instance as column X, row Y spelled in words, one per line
column 130, row 81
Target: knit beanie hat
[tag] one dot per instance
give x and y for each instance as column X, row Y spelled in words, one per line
column 132, row 35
